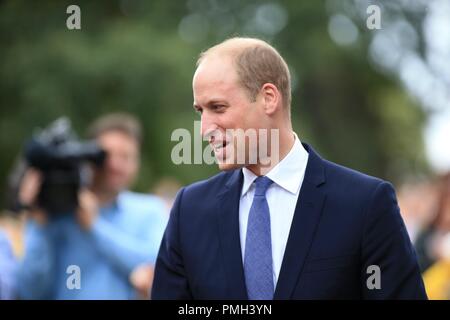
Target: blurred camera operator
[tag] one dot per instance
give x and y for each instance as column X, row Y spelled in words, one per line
column 107, row 248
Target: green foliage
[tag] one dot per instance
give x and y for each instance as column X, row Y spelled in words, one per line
column 129, row 56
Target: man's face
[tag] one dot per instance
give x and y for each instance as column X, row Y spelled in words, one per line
column 225, row 105
column 122, row 161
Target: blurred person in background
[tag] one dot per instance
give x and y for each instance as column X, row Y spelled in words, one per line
column 437, row 277
column 167, row 188
column 7, row 269
column 426, row 209
column 430, row 243
column 110, row 243
column 418, row 203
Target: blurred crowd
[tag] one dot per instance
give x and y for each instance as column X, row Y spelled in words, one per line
column 106, row 247
column 425, row 207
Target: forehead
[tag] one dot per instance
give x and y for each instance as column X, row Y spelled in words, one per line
column 214, row 76
column 116, row 139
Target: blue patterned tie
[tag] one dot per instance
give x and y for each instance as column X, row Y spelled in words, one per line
column 258, row 246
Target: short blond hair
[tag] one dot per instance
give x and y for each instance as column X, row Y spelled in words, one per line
column 256, row 63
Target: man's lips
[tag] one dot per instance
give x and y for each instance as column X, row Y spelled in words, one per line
column 219, row 145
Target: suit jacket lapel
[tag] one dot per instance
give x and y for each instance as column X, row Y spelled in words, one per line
column 306, row 217
column 228, row 219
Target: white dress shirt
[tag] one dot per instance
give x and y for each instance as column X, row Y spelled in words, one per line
column 282, row 198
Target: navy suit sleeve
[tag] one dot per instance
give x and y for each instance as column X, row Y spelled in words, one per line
column 170, row 281
column 386, row 244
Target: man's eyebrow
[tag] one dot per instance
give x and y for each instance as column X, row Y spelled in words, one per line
column 209, row 103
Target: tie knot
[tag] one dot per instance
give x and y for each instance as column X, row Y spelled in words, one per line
column 262, row 183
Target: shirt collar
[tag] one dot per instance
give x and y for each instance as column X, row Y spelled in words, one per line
column 287, row 174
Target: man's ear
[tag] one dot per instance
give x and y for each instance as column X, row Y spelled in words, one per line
column 271, row 97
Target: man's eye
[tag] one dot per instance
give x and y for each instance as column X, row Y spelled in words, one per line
column 199, row 111
column 217, row 107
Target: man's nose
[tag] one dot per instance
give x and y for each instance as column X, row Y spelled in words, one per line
column 208, row 126
column 114, row 162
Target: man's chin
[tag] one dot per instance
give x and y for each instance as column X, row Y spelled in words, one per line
column 224, row 166
column 114, row 188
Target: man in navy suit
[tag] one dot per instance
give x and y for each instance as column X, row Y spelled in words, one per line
column 290, row 225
